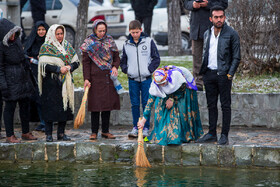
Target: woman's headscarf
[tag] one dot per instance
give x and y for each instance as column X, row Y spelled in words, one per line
column 34, row 40
column 100, row 49
column 59, row 54
column 175, row 76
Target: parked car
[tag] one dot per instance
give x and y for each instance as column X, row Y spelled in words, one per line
column 65, row 12
column 159, row 27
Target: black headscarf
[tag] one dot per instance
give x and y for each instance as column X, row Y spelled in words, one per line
column 34, row 41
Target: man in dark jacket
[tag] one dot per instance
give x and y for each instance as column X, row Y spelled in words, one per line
column 221, row 57
column 199, row 23
column 143, row 10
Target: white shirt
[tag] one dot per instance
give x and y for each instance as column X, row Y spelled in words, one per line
column 213, row 45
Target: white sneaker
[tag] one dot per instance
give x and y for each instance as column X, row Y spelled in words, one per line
column 133, row 133
column 145, row 132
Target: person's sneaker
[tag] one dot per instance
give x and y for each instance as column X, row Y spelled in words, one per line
column 223, row 140
column 207, row 138
column 133, row 133
column 145, row 132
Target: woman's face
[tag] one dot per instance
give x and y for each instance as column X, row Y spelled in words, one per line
column 59, row 35
column 163, row 84
column 12, row 38
column 100, row 30
column 41, row 31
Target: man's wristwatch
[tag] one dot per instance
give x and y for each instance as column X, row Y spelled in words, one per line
column 229, row 77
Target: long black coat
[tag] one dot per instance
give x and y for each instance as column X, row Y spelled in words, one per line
column 143, row 8
column 15, row 80
column 199, row 21
column 51, row 98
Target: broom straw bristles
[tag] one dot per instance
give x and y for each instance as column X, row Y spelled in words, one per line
column 141, row 158
column 82, row 111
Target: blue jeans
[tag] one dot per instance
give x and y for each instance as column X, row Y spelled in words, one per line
column 134, row 92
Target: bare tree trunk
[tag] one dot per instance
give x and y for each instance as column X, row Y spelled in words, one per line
column 174, row 28
column 82, row 20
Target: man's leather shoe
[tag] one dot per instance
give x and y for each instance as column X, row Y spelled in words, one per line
column 93, row 136
column 223, row 140
column 28, row 136
column 12, row 139
column 49, row 138
column 63, row 137
column 108, row 135
column 207, row 138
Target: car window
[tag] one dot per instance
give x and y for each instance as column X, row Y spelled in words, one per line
column 161, row 4
column 27, row 7
column 49, row 4
column 57, row 5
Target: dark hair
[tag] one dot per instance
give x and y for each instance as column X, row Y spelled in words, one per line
column 60, row 27
column 135, row 24
column 215, row 8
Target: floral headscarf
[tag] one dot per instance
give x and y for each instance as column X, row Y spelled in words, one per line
column 100, row 49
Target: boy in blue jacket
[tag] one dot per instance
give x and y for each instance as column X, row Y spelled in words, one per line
column 139, row 60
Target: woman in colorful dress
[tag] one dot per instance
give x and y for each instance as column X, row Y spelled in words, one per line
column 100, row 61
column 177, row 118
column 31, row 48
column 57, row 61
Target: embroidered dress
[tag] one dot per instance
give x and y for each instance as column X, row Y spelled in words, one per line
column 179, row 124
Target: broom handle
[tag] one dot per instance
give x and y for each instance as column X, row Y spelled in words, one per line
column 140, row 136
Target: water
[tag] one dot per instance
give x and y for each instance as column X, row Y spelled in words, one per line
column 74, row 174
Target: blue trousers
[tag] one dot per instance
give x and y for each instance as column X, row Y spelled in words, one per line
column 135, row 89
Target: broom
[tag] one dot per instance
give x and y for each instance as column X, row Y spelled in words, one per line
column 141, row 158
column 82, row 111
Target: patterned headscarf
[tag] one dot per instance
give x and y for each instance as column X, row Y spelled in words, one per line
column 160, row 76
column 59, row 54
column 100, row 49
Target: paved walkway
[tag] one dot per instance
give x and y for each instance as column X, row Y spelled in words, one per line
column 242, row 135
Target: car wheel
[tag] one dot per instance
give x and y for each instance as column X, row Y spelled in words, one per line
column 186, row 43
column 70, row 35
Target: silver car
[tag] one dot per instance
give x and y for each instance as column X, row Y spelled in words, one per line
column 64, row 12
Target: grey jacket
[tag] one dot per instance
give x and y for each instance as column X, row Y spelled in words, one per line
column 139, row 60
column 228, row 51
column 199, row 21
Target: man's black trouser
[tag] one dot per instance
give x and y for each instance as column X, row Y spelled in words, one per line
column 147, row 21
column 216, row 85
column 95, row 117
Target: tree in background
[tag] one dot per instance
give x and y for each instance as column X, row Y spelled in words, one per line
column 257, row 23
column 82, row 20
column 174, row 28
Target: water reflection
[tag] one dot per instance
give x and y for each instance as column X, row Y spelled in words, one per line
column 74, row 174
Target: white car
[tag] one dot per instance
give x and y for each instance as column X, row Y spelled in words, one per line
column 64, row 12
column 159, row 26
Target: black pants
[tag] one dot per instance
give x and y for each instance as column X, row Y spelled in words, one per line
column 105, row 117
column 216, row 85
column 9, row 111
column 1, row 110
column 147, row 21
column 60, row 128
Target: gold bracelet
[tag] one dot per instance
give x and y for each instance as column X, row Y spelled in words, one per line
column 171, row 99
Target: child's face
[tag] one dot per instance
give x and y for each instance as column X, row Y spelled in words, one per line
column 135, row 33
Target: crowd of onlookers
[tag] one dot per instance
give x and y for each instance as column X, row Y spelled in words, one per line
column 38, row 76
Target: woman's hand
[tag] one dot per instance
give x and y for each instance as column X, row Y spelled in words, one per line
column 114, row 71
column 64, row 69
column 169, row 103
column 87, row 84
column 141, row 123
column 204, row 3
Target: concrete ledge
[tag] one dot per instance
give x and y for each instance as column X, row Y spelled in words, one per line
column 248, row 110
column 186, row 154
